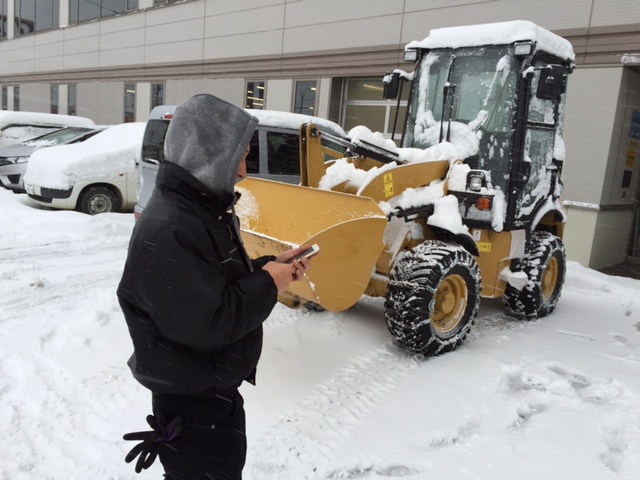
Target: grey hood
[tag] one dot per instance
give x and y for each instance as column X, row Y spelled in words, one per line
column 208, row 137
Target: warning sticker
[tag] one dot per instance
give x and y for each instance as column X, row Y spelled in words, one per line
column 484, row 247
column 388, row 185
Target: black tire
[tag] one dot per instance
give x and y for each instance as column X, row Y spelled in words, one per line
column 545, row 264
column 433, row 297
column 95, row 200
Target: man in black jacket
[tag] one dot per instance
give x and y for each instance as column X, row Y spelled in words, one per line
column 193, row 300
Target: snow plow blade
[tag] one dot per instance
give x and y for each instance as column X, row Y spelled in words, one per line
column 276, row 217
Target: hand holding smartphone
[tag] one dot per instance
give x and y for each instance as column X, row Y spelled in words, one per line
column 306, row 254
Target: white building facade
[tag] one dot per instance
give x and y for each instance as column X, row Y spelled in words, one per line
column 113, row 60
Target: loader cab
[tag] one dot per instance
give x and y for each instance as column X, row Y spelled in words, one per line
column 502, row 107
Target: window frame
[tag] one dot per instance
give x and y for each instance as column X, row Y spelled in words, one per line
column 251, row 99
column 129, row 102
column 74, row 17
column 388, row 105
column 300, row 108
column 72, row 99
column 55, row 98
column 53, row 21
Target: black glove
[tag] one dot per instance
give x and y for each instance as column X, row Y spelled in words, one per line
column 152, row 440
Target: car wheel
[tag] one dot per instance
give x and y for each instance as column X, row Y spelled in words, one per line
column 96, row 200
column 433, row 297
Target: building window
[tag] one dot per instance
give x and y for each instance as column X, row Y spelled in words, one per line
column 84, row 10
column 157, row 94
column 4, row 11
column 161, row 2
column 255, row 95
column 305, row 101
column 129, row 102
column 36, row 15
column 55, row 98
column 16, row 98
column 72, row 98
column 364, row 105
column 5, row 98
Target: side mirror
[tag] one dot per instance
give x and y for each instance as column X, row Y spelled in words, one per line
column 551, row 82
column 391, row 85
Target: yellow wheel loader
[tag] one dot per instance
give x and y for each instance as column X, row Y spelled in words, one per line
column 469, row 206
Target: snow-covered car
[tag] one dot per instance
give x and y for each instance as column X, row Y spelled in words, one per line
column 16, row 127
column 96, row 176
column 14, row 158
column 274, row 147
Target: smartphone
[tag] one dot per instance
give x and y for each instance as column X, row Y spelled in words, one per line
column 307, row 253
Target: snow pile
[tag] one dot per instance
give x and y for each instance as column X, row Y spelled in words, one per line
column 108, row 154
column 361, row 134
column 462, row 140
column 557, row 398
column 446, row 216
column 342, row 170
column 502, row 33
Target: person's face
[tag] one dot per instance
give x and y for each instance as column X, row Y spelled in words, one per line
column 242, row 169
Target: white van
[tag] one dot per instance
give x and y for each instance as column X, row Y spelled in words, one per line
column 98, row 175
column 274, row 147
column 16, row 127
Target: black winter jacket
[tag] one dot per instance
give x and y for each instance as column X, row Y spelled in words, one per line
column 192, row 303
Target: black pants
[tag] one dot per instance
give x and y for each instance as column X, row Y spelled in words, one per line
column 212, row 444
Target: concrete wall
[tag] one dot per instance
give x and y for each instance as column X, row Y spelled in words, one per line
column 611, row 238
column 103, row 102
column 200, row 30
column 579, row 233
column 279, row 95
column 35, row 98
column 592, row 102
column 231, row 89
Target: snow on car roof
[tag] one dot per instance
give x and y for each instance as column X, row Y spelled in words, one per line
column 35, row 118
column 501, row 33
column 271, row 118
column 108, row 153
column 293, row 120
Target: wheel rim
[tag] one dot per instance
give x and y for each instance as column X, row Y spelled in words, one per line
column 451, row 302
column 550, row 278
column 100, row 204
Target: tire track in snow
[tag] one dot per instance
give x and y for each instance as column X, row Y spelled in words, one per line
column 308, row 432
column 46, row 274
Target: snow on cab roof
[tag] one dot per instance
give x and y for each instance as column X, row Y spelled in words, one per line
column 502, row 33
column 35, row 118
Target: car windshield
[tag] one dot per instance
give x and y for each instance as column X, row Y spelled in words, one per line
column 55, row 138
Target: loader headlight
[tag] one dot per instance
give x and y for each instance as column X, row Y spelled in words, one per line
column 476, row 179
column 20, row 159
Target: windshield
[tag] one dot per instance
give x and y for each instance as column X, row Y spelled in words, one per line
column 481, row 93
column 54, row 138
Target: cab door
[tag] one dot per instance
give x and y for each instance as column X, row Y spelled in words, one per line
column 543, row 145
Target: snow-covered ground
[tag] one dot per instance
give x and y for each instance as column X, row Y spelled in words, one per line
column 557, row 398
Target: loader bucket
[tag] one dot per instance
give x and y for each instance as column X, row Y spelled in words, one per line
column 276, row 217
